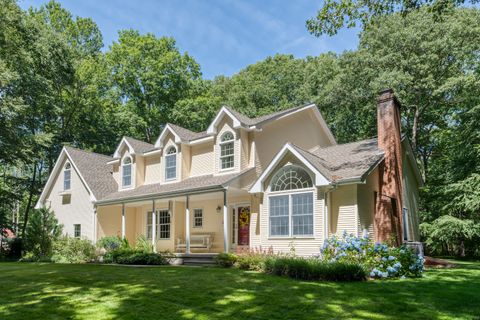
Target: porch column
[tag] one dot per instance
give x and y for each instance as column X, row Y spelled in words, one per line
column 225, row 222
column 187, row 225
column 123, row 220
column 154, row 227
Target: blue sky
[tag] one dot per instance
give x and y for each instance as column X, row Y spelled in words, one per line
column 223, row 36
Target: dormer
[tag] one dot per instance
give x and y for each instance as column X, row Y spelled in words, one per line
column 128, row 163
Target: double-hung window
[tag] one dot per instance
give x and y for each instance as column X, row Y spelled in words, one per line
column 227, row 151
column 291, row 210
column 127, row 172
column 197, row 218
column 163, row 224
column 77, row 230
column 67, row 176
column 171, row 164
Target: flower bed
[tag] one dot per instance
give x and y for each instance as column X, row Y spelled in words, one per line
column 348, row 258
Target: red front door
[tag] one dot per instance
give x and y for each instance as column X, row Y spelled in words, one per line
column 243, row 226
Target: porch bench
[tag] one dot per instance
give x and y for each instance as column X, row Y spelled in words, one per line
column 197, row 241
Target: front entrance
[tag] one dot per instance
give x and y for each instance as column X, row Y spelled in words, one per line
column 243, row 225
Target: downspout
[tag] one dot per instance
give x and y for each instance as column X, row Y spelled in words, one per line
column 327, row 210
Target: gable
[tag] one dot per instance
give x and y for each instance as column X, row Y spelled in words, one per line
column 56, row 179
column 286, row 154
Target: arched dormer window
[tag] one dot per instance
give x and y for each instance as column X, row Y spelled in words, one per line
column 227, row 151
column 290, row 178
column 171, row 164
column 67, row 176
column 127, row 172
column 291, row 212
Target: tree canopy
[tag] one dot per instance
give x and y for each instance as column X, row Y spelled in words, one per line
column 58, row 87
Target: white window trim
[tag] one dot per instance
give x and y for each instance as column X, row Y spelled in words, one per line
column 157, row 220
column 165, row 163
column 132, row 174
column 220, row 144
column 203, row 218
column 289, row 193
column 70, row 179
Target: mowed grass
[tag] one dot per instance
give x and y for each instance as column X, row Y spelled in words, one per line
column 55, row 291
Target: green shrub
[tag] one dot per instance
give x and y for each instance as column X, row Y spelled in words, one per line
column 42, row 231
column 226, row 260
column 73, row 250
column 314, row 269
column 251, row 261
column 142, row 258
column 110, row 243
column 143, row 245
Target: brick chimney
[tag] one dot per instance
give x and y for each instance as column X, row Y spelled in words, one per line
column 388, row 208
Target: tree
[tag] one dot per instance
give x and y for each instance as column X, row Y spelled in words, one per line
column 42, row 231
column 336, row 14
column 150, row 76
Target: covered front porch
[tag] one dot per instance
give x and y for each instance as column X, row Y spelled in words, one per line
column 188, row 223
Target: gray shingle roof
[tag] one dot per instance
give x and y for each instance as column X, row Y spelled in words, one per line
column 258, row 120
column 205, row 182
column 186, row 134
column 345, row 161
column 94, row 169
column 138, row 145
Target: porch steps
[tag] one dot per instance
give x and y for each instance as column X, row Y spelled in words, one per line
column 196, row 259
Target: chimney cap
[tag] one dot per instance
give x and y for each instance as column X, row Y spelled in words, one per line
column 387, row 95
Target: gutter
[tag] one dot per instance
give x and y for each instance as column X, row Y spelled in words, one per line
column 158, row 196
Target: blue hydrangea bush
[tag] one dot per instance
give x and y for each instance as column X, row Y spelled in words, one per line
column 380, row 260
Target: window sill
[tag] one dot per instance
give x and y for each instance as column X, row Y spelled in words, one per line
column 65, row 192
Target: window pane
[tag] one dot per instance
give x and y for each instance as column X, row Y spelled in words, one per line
column 279, row 220
column 289, row 178
column 66, row 179
column 171, row 166
column 227, row 155
column 302, row 214
column 127, row 175
column 163, row 224
column 197, row 217
column 77, row 230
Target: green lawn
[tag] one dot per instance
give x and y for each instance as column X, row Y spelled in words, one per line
column 53, row 291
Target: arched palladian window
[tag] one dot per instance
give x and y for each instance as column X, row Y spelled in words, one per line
column 127, row 172
column 67, row 176
column 291, row 178
column 291, row 213
column 227, row 151
column 171, row 163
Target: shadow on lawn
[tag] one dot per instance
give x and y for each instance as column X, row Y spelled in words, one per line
column 91, row 292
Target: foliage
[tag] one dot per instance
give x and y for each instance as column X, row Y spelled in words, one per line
column 110, row 243
column 379, row 259
column 142, row 258
column 10, row 248
column 42, row 231
column 452, row 236
column 151, row 75
column 314, row 269
column 251, row 261
column 336, row 14
column 226, row 260
column 73, row 250
column 142, row 244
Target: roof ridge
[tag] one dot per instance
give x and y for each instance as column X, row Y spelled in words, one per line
column 88, row 152
column 346, row 144
column 136, row 139
column 284, row 110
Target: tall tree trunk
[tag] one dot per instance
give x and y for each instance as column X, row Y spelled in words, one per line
column 416, row 117
column 30, row 198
